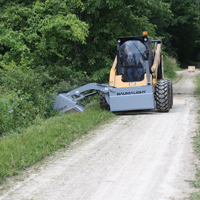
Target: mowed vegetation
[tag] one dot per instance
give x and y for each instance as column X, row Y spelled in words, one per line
column 52, row 45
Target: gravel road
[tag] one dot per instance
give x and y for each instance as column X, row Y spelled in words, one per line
column 139, row 156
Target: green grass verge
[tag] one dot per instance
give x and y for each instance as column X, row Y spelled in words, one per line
column 196, row 183
column 18, row 151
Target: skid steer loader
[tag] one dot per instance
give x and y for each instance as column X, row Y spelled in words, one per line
column 136, row 80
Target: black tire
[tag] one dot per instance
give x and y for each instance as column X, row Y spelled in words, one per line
column 103, row 103
column 163, row 96
column 170, row 92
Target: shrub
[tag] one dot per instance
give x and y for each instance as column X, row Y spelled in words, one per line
column 170, row 64
column 15, row 112
column 22, row 97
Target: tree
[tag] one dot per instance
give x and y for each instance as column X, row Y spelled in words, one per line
column 184, row 29
column 44, row 33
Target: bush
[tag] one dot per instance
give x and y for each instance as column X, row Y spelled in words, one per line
column 15, row 112
column 26, row 94
column 22, row 97
column 170, row 65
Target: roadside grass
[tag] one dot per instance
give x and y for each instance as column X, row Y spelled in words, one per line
column 171, row 65
column 19, row 151
column 196, row 183
column 178, row 68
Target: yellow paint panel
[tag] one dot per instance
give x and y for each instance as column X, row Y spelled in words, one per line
column 113, row 73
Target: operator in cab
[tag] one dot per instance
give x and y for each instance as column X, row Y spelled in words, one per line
column 133, row 59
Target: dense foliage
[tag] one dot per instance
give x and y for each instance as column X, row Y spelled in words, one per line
column 184, row 29
column 47, row 45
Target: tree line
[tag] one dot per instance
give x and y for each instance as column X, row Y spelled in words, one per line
column 80, row 35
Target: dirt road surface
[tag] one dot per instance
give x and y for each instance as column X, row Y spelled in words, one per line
column 140, row 156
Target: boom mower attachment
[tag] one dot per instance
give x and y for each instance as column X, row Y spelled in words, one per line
column 67, row 101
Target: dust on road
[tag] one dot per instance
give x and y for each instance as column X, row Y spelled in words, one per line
column 140, row 156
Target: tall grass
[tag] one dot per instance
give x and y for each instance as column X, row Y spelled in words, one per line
column 18, row 151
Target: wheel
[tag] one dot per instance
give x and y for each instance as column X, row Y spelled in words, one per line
column 170, row 92
column 163, row 97
column 103, row 103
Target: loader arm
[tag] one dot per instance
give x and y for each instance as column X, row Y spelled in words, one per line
column 157, row 68
column 67, row 101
